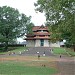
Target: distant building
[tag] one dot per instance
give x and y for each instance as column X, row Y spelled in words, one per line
column 40, row 38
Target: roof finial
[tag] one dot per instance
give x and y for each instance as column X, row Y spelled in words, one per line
column 42, row 26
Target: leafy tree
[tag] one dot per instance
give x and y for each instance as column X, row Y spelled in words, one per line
column 12, row 24
column 60, row 16
column 28, row 25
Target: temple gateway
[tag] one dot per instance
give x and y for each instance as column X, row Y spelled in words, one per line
column 40, row 38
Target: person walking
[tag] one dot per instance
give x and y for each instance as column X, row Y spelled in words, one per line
column 60, row 55
column 44, row 53
column 38, row 56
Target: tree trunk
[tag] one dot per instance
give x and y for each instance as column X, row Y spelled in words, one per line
column 6, row 46
column 74, row 48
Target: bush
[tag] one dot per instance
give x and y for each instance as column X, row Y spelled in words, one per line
column 2, row 49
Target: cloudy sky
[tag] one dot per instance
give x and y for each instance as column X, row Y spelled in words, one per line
column 27, row 7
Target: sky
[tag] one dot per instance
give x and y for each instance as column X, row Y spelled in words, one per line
column 27, row 7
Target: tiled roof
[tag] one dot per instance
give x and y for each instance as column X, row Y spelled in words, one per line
column 30, row 35
column 41, row 33
column 34, row 38
column 29, row 38
column 42, row 37
column 35, row 28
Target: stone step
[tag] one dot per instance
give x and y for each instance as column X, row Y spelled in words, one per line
column 41, row 50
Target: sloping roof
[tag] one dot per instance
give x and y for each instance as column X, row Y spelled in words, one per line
column 33, row 38
column 38, row 34
column 41, row 33
column 30, row 35
column 35, row 28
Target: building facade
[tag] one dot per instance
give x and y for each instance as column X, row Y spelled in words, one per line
column 40, row 38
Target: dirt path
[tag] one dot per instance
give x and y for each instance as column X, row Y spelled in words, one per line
column 66, row 66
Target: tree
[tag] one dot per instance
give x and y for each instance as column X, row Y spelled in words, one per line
column 12, row 24
column 28, row 24
column 60, row 16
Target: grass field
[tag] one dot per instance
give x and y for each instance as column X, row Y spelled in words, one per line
column 15, row 49
column 64, row 51
column 24, row 68
column 58, row 50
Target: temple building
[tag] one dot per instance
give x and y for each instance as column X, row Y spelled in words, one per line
column 40, row 38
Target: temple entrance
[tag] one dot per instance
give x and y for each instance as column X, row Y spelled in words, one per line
column 42, row 42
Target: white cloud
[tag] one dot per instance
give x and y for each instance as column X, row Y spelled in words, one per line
column 27, row 7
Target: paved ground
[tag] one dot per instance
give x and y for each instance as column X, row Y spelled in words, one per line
column 65, row 64
column 41, row 50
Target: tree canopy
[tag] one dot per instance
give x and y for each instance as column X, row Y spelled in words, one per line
column 60, row 17
column 12, row 24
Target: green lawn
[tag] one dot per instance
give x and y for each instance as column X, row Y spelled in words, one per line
column 58, row 50
column 70, row 52
column 15, row 49
column 17, row 68
column 1, row 50
column 64, row 51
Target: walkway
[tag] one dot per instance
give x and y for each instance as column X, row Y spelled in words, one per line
column 41, row 50
column 66, row 66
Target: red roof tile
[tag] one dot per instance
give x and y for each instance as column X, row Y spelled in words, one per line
column 37, row 38
column 37, row 34
column 35, row 28
column 41, row 33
